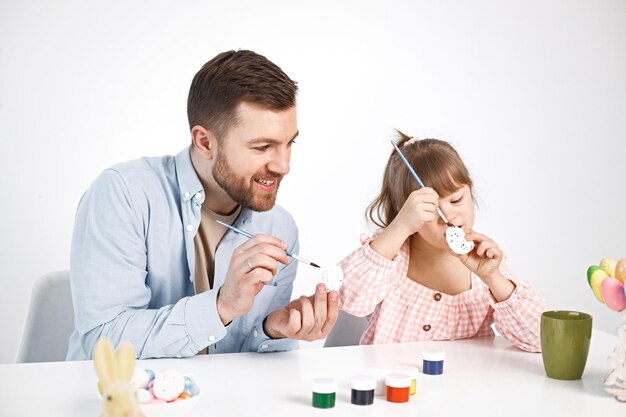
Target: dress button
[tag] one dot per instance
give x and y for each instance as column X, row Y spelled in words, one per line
column 211, row 338
column 186, row 194
column 198, row 196
column 426, row 327
column 190, row 228
column 437, row 296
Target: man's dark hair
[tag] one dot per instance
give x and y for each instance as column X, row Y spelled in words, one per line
column 233, row 77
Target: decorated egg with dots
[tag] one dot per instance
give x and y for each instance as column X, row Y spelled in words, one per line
column 456, row 240
column 613, row 293
column 332, row 277
column 168, row 385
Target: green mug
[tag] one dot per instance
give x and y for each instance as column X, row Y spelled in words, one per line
column 565, row 338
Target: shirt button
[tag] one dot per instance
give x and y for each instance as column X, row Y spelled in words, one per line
column 186, row 194
column 211, row 338
column 264, row 346
column 437, row 296
column 255, row 333
column 198, row 196
column 426, row 327
column 190, row 228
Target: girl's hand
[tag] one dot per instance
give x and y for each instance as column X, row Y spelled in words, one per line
column 419, row 208
column 485, row 259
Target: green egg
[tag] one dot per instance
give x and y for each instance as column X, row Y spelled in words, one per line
column 590, row 271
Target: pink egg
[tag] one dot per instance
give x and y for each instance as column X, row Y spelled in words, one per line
column 613, row 293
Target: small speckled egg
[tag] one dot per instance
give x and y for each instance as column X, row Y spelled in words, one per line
column 168, row 385
column 332, row 277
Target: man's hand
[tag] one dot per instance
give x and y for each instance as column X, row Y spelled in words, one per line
column 307, row 318
column 252, row 266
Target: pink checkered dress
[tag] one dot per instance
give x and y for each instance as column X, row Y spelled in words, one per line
column 401, row 310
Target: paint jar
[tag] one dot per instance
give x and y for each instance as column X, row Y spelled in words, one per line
column 411, row 371
column 379, row 374
column 363, row 387
column 324, row 392
column 398, row 388
column 432, row 362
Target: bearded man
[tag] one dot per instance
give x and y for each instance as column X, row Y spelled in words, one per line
column 149, row 263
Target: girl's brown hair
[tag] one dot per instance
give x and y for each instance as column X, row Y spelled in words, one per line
column 437, row 164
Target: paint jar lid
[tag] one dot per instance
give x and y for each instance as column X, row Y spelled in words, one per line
column 378, row 373
column 363, row 383
column 324, row 385
column 433, row 355
column 398, row 381
column 411, row 371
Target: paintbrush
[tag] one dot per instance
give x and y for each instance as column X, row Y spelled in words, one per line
column 288, row 252
column 421, row 184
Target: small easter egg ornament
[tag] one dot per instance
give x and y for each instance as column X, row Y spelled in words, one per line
column 191, row 386
column 144, row 395
column 597, row 276
column 456, row 240
column 608, row 265
column 332, row 277
column 590, row 271
column 620, row 270
column 140, row 379
column 613, row 293
column 168, row 385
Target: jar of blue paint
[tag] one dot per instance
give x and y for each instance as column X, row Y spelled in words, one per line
column 432, row 362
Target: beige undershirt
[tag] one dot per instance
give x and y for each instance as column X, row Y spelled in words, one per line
column 205, row 243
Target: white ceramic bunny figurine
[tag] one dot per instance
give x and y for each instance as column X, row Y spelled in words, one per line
column 115, row 371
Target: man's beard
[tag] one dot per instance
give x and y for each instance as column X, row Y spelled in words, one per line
column 242, row 192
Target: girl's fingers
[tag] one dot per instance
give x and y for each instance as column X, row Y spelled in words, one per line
column 494, row 253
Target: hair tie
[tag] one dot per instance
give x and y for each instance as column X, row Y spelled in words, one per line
column 411, row 141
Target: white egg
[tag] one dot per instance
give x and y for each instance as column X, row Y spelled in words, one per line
column 332, row 277
column 140, row 378
column 456, row 240
column 144, row 395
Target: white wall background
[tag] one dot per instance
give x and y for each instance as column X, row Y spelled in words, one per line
column 532, row 93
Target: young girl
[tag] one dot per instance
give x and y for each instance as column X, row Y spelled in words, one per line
column 406, row 279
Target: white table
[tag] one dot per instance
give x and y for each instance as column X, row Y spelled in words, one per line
column 482, row 376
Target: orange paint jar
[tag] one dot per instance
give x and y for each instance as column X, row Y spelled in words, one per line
column 398, row 388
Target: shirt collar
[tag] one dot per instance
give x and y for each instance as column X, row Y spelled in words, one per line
column 188, row 180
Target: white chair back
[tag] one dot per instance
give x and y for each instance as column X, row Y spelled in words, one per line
column 50, row 320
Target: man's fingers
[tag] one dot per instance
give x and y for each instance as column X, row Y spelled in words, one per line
column 295, row 322
column 331, row 314
column 260, row 260
column 261, row 239
column 261, row 244
column 307, row 317
column 258, row 275
column 320, row 305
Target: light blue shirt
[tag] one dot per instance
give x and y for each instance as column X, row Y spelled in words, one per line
column 132, row 266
